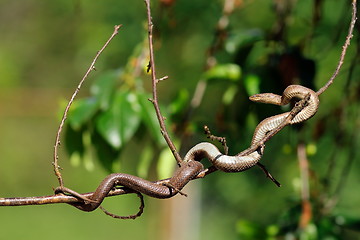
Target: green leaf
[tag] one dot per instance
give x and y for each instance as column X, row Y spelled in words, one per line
column 309, row 233
column 228, row 71
column 149, row 118
column 145, row 161
column 73, row 142
column 103, row 88
column 272, row 230
column 166, row 164
column 180, row 102
column 252, row 84
column 75, row 159
column 120, row 122
column 88, row 161
column 229, row 94
column 82, row 111
column 248, row 230
column 106, row 154
column 243, row 38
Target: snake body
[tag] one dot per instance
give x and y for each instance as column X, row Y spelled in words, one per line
column 241, row 161
column 291, row 92
column 191, row 166
column 181, row 177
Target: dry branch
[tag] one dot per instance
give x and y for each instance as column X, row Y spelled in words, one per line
column 67, row 108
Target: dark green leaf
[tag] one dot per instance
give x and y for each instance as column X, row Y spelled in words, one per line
column 228, row 71
column 73, row 141
column 252, row 84
column 106, row 154
column 166, row 164
column 180, row 102
column 149, row 118
column 243, row 38
column 119, row 123
column 248, row 230
column 82, row 110
column 229, row 94
column 103, row 88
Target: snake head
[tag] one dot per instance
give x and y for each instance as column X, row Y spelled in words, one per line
column 269, row 98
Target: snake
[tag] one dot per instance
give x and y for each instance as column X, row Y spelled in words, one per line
column 185, row 173
column 191, row 166
column 244, row 160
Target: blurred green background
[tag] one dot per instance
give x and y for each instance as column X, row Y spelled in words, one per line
column 46, row 47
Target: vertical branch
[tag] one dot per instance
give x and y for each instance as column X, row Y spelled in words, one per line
column 154, row 87
column 218, row 41
column 344, row 49
column 306, row 212
column 64, row 117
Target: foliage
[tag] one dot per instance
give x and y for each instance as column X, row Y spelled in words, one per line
column 250, row 61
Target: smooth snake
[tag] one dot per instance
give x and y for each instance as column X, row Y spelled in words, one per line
column 191, row 166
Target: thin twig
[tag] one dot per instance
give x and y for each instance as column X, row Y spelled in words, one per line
column 64, row 117
column 154, row 87
column 138, row 214
column 268, row 174
column 344, row 49
column 212, row 137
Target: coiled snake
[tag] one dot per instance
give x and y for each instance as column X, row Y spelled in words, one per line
column 191, row 167
column 242, row 161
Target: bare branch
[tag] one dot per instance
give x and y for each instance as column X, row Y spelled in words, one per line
column 268, row 174
column 138, row 214
column 344, row 49
column 155, row 81
column 63, row 119
column 212, row 137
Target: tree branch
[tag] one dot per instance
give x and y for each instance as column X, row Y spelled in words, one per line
column 344, row 49
column 155, row 81
column 64, row 117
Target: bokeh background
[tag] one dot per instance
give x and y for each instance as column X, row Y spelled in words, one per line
column 252, row 46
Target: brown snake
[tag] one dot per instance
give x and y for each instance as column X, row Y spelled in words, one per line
column 244, row 160
column 191, row 168
column 188, row 171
